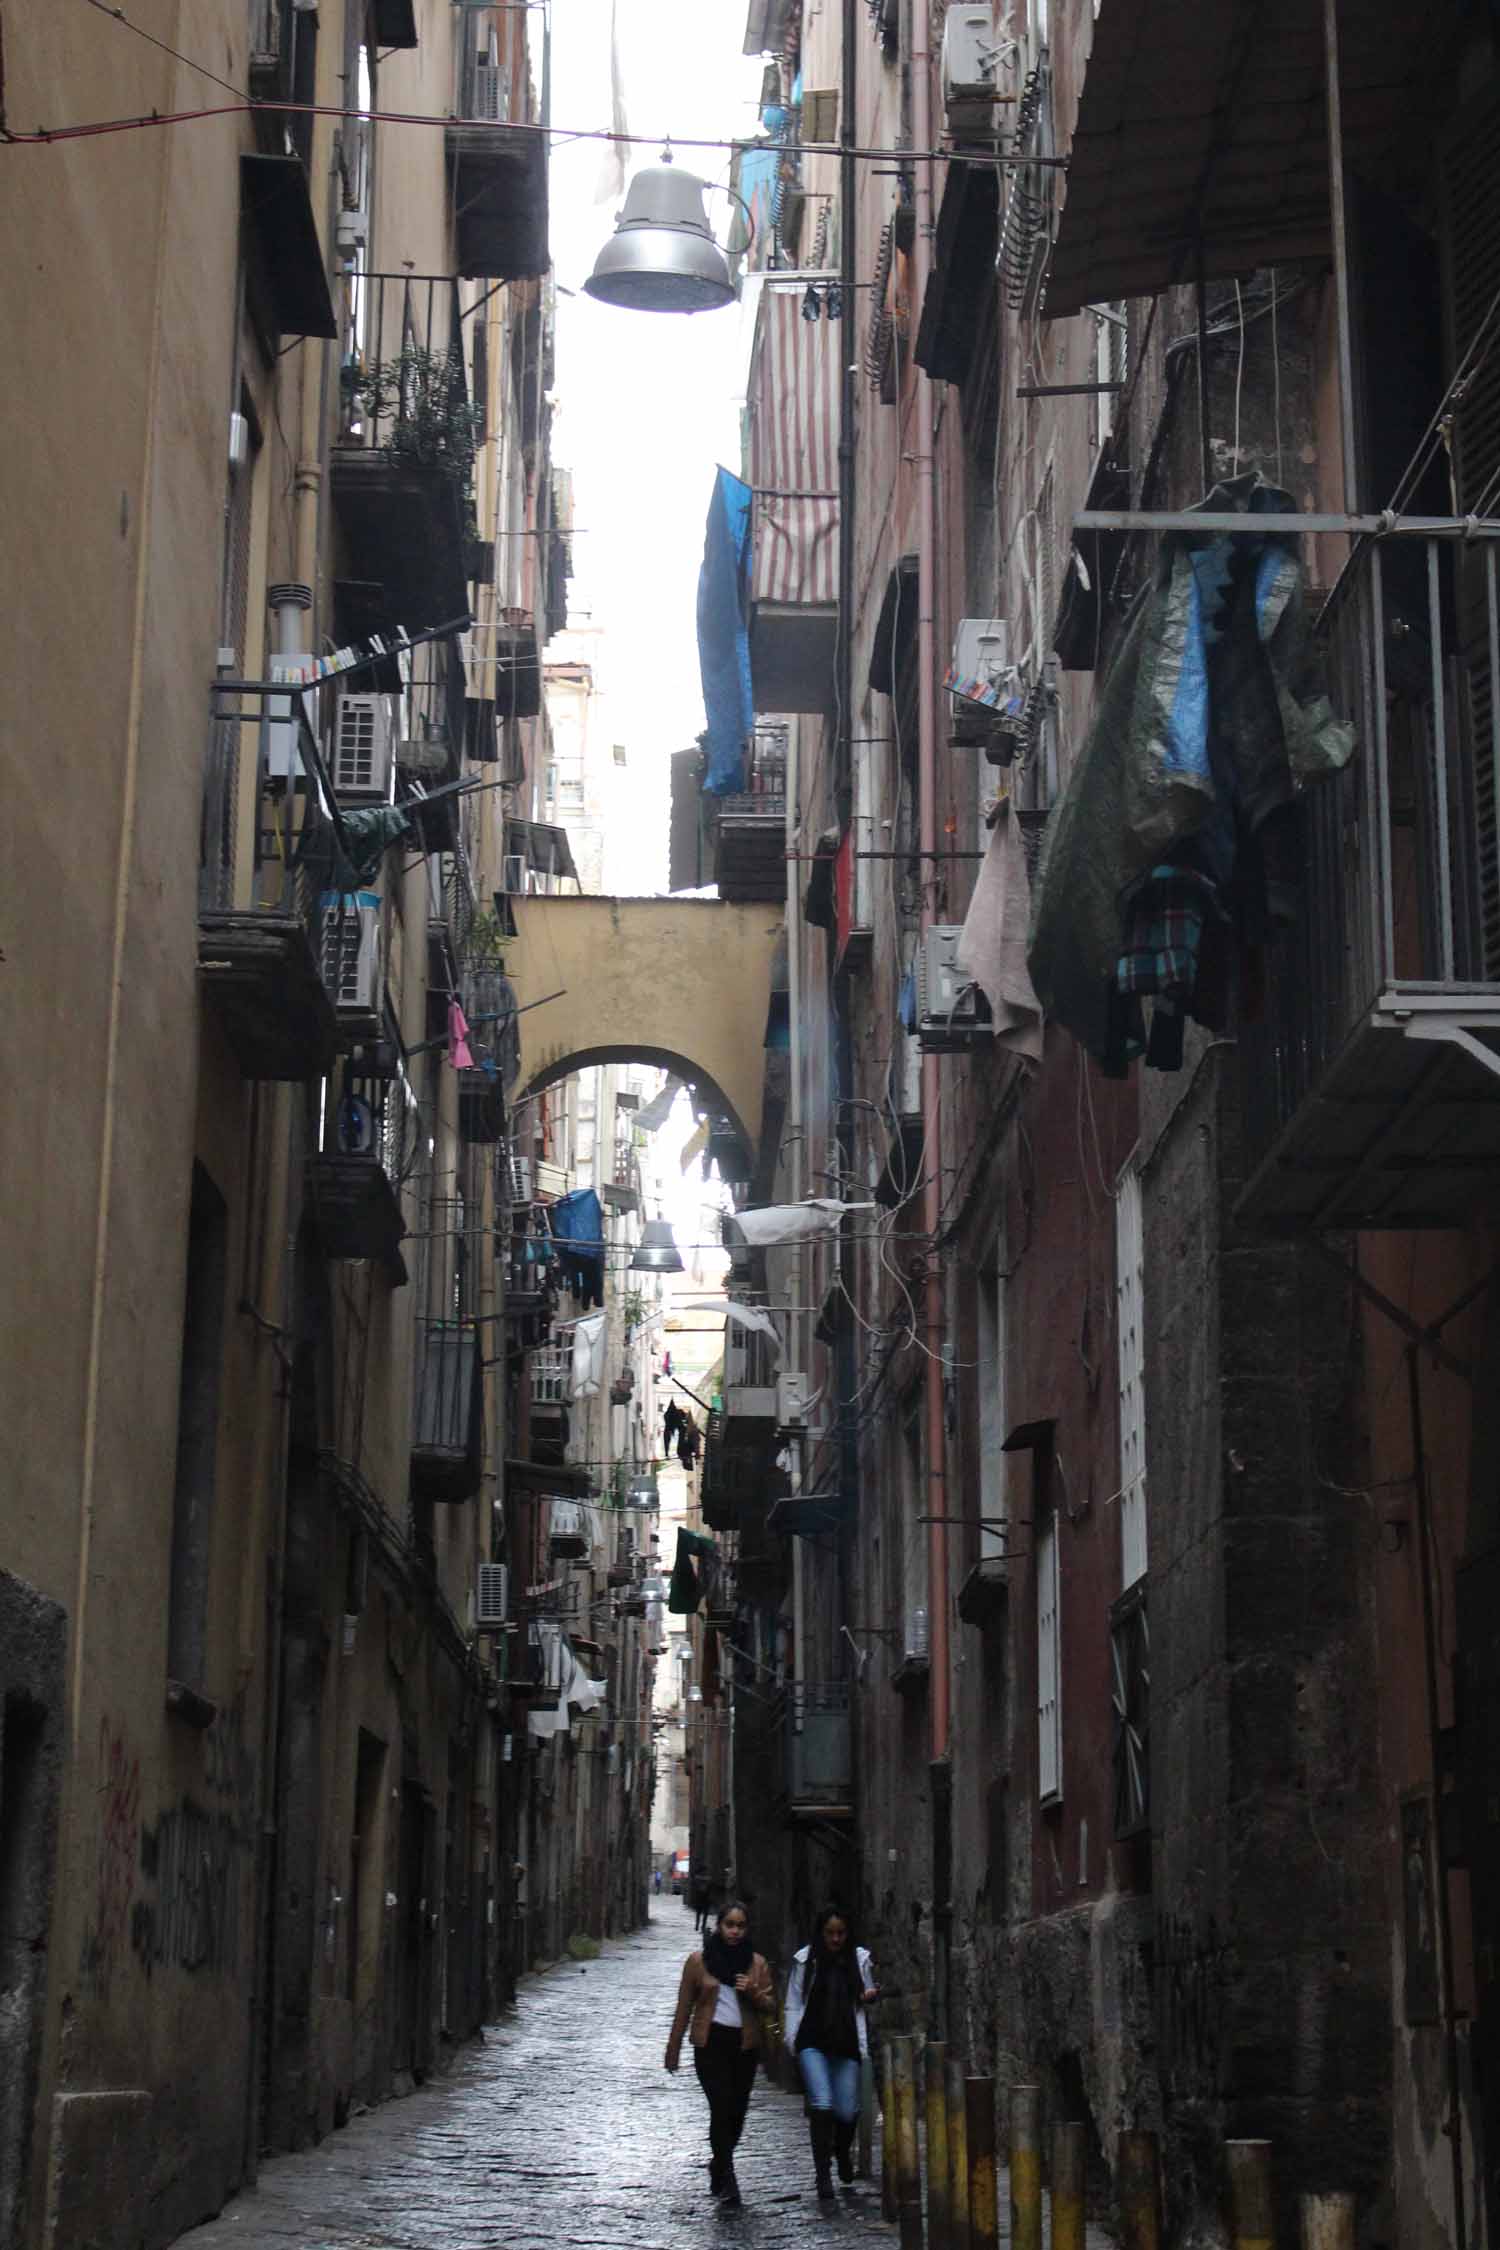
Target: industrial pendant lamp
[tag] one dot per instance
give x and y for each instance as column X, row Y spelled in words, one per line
column 662, row 257
column 656, row 1252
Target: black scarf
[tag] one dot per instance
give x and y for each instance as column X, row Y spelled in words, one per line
column 726, row 1961
column 828, row 2019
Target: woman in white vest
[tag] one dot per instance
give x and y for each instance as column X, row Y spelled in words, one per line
column 831, row 1985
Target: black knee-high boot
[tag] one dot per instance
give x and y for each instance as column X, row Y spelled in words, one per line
column 844, row 2130
column 820, row 2127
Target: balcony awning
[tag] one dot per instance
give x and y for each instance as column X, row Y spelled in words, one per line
column 539, row 1481
column 276, row 199
column 963, row 268
column 894, row 645
column 792, row 431
column 395, row 23
column 1207, row 123
column 544, row 847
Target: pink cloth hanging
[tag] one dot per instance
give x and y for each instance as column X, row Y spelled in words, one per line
column 458, row 1038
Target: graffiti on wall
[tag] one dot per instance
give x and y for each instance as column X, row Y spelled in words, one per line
column 168, row 1891
column 1190, row 1970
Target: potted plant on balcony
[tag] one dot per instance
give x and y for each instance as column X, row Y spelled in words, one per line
column 419, row 409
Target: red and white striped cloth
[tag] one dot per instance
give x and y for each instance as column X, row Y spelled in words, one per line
column 793, row 427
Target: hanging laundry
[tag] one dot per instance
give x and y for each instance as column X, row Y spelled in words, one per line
column 578, row 1230
column 688, row 1441
column 671, row 1423
column 695, row 1551
column 459, row 1055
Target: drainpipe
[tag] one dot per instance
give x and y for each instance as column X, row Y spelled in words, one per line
column 794, row 1127
column 935, row 1495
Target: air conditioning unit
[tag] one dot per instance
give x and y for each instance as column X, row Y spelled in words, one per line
column 952, row 1012
column 492, row 1600
column 360, row 762
column 283, row 758
column 351, row 951
column 491, row 86
column 513, row 874
column 791, row 1401
column 970, row 52
column 820, row 115
column 980, row 678
column 354, row 231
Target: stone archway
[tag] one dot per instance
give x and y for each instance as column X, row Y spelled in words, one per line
column 684, row 983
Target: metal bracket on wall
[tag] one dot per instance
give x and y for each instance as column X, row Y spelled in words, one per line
column 1430, row 1337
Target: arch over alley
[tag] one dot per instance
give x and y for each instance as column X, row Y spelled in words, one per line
column 684, row 983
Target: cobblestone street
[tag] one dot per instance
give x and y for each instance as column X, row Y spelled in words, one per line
column 562, row 2129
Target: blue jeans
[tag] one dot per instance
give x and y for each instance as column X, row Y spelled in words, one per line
column 832, row 2081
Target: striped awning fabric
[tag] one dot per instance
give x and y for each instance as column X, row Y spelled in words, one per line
column 793, row 419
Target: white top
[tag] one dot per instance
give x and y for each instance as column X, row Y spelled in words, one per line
column 796, row 1995
column 727, row 2007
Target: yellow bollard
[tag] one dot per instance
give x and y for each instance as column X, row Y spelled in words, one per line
column 1327, row 2222
column 866, row 2141
column 1069, row 2185
column 984, row 2200
column 908, row 2160
column 958, row 2155
column 935, row 2091
column 1026, row 2167
column 1252, row 2225
column 1138, row 2191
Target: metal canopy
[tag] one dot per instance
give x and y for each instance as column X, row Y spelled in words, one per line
column 1206, row 124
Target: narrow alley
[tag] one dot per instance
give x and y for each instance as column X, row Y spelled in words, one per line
column 563, row 2128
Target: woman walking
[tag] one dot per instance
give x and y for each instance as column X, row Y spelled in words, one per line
column 725, row 1991
column 831, row 1985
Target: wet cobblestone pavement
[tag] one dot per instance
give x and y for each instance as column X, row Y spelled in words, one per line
column 563, row 2129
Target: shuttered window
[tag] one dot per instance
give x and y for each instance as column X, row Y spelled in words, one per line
column 1048, row 1663
column 1129, row 1269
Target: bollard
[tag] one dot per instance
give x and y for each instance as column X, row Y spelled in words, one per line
column 1327, row 2222
column 887, row 2136
column 1251, row 2224
column 908, row 2161
column 984, row 2202
column 866, row 2141
column 958, row 2154
column 1026, row 2167
column 1070, row 2144
column 935, row 2091
column 1138, row 2191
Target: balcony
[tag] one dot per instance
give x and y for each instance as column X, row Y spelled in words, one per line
column 1372, row 1084
column 447, row 1441
column 402, row 465
column 499, row 176
column 260, row 930
column 792, row 421
column 816, row 1760
column 354, row 1188
column 750, row 861
column 622, row 1190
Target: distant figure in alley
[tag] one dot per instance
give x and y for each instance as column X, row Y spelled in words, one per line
column 724, row 1993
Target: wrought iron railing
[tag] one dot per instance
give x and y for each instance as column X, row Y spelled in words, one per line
column 1397, row 859
column 404, row 382
column 812, row 1720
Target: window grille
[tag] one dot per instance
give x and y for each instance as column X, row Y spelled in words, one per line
column 1048, row 1663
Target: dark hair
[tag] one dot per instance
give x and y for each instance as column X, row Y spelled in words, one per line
column 733, row 1906
column 825, row 1915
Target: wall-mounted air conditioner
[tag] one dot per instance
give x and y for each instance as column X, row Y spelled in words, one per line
column 513, row 874
column 351, row 951
column 791, row 1401
column 980, row 679
column 970, row 52
column 354, row 231
column 283, row 759
column 492, row 1599
column 952, row 1012
column 360, row 759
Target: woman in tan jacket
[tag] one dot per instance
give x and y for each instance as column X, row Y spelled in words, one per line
column 725, row 1991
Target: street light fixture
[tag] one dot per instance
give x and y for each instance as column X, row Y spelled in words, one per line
column 662, row 257
column 657, row 1251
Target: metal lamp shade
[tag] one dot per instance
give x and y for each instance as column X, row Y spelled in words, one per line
column 656, row 1252
column 662, row 257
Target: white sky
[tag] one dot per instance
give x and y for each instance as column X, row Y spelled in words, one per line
column 647, row 403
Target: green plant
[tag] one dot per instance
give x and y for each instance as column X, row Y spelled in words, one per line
column 635, row 1307
column 486, row 941
column 419, row 406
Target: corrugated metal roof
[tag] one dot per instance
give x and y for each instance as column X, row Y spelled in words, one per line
column 1209, row 120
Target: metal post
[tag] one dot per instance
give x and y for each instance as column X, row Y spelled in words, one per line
column 1205, row 451
column 1327, row 2222
column 958, row 2154
column 984, row 2201
column 935, row 2090
column 1026, row 2167
column 1138, row 2191
column 1338, row 226
column 908, row 2162
column 1069, row 2184
column 1252, row 2225
column 866, row 2116
column 888, row 2132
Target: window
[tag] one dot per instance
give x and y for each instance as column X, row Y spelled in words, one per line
column 197, row 1431
column 1129, row 1267
column 992, row 1422
column 1048, row 1663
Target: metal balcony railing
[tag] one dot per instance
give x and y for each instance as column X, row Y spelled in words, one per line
column 1383, row 995
column 404, row 385
column 812, row 1722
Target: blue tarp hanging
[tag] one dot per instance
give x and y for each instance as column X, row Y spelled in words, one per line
column 724, row 636
column 578, row 1232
